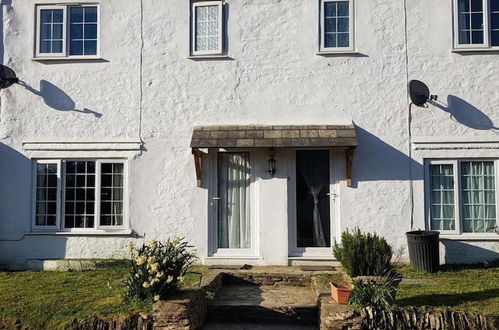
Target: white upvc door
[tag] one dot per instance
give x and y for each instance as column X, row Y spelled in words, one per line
column 301, row 242
column 232, row 205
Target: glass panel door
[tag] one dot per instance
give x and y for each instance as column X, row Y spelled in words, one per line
column 313, row 222
column 233, row 229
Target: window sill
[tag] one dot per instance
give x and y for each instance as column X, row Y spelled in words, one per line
column 337, row 52
column 314, row 258
column 222, row 257
column 209, row 57
column 475, row 50
column 67, row 59
column 470, row 237
column 120, row 232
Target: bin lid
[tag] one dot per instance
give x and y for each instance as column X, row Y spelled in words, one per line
column 423, row 233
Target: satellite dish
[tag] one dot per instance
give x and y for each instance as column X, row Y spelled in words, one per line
column 7, row 77
column 420, row 93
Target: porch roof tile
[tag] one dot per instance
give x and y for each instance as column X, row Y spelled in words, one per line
column 278, row 136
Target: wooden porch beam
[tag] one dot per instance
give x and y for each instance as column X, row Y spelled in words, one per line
column 198, row 163
column 349, row 165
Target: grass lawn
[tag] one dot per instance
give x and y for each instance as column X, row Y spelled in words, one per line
column 53, row 299
column 460, row 288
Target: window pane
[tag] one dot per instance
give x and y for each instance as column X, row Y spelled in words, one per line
column 91, row 31
column 90, row 47
column 90, row 14
column 46, row 16
column 57, row 16
column 57, row 31
column 494, row 23
column 494, row 38
column 76, row 31
column 476, row 21
column 477, row 5
column 76, row 47
column 330, row 40
column 207, row 28
column 442, row 208
column 46, row 194
column 336, row 24
column 477, row 37
column 478, row 191
column 342, row 8
column 343, row 40
column 76, row 14
column 79, row 204
column 57, row 47
column 111, row 194
column 343, row 25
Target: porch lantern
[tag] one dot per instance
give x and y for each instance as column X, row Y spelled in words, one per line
column 272, row 163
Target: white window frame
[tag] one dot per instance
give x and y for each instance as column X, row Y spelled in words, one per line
column 351, row 34
column 194, row 5
column 61, row 183
column 486, row 29
column 34, row 200
column 456, row 163
column 65, row 31
column 38, row 29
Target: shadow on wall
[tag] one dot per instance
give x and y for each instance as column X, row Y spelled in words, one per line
column 465, row 113
column 381, row 161
column 463, row 252
column 56, row 98
column 16, row 214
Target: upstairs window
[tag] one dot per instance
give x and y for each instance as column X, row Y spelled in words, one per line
column 73, row 195
column 67, row 30
column 476, row 24
column 206, row 29
column 336, row 25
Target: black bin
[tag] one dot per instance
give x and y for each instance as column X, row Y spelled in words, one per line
column 424, row 250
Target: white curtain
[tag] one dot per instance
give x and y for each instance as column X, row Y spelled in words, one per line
column 478, row 191
column 442, row 197
column 315, row 173
column 234, row 208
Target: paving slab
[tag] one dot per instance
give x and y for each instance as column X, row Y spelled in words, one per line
column 268, row 296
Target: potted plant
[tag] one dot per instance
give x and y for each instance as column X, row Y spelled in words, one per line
column 366, row 257
column 340, row 292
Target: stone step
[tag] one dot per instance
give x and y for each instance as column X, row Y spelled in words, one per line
column 291, row 315
column 276, row 304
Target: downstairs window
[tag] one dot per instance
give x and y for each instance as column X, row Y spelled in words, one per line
column 462, row 196
column 79, row 194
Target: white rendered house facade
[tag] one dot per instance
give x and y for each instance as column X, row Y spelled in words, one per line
column 138, row 120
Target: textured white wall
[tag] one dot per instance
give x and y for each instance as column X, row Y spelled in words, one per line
column 273, row 76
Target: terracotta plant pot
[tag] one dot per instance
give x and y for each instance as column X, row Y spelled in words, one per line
column 340, row 293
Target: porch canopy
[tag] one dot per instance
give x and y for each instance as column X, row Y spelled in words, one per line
column 274, row 136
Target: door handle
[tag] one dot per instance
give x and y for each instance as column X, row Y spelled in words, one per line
column 216, row 198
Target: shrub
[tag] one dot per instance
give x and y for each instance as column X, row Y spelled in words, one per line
column 363, row 254
column 157, row 269
column 379, row 294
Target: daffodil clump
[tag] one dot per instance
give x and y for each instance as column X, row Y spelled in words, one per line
column 158, row 269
